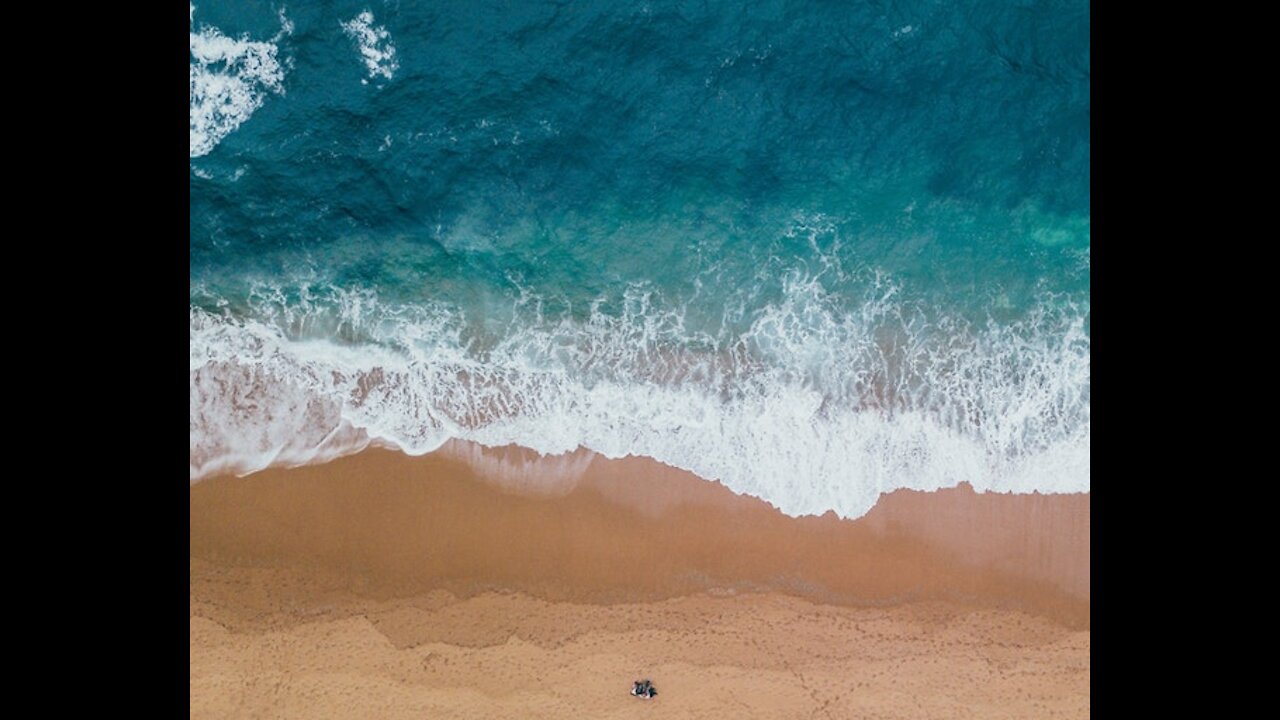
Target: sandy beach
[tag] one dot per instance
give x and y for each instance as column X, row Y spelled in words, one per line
column 815, row 276
column 494, row 583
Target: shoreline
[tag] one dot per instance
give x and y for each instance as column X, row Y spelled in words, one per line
column 458, row 585
column 581, row 527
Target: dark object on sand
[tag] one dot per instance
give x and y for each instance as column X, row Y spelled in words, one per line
column 644, row 689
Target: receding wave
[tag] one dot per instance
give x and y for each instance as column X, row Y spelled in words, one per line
column 812, row 407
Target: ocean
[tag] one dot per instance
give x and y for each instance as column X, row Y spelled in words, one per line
column 815, row 251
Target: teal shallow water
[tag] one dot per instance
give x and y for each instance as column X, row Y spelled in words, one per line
column 844, row 244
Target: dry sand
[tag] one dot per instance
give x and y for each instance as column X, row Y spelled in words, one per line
column 493, row 584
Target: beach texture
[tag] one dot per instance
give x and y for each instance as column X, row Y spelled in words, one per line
column 380, row 585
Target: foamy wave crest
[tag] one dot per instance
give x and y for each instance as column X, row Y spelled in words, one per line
column 374, row 42
column 813, row 408
column 230, row 80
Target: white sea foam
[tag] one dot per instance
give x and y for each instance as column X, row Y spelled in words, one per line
column 230, row 80
column 812, row 409
column 374, row 42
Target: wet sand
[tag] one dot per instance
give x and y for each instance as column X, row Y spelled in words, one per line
column 492, row 583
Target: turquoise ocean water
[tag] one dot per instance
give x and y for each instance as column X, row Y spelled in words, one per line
column 814, row 250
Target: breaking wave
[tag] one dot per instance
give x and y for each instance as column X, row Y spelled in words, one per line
column 811, row 408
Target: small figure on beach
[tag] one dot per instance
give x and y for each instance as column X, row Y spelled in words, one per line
column 644, row 689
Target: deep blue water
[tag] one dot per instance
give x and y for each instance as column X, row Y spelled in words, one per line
column 842, row 242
